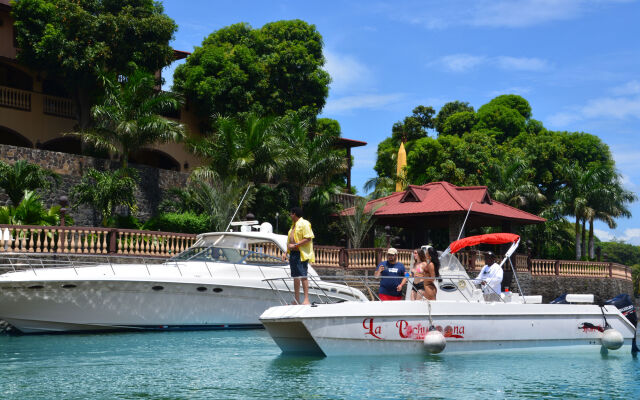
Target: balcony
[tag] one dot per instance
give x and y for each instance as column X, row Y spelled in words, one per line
column 23, row 100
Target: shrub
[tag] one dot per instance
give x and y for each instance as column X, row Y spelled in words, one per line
column 187, row 222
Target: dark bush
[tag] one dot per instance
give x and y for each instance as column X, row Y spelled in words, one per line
column 187, row 222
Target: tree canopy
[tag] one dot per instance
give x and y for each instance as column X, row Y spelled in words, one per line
column 73, row 39
column 267, row 71
column 522, row 163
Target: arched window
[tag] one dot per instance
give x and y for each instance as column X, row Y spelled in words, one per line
column 13, row 138
column 66, row 144
column 15, row 78
column 155, row 158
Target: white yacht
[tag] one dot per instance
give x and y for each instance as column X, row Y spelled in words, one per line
column 463, row 318
column 220, row 282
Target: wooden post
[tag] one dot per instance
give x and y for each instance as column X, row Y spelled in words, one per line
column 557, row 267
column 113, row 236
column 611, row 270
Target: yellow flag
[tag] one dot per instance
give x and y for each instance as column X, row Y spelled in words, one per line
column 402, row 162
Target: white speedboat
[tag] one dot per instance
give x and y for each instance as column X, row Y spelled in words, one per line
column 217, row 283
column 461, row 319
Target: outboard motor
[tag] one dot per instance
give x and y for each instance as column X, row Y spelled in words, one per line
column 624, row 303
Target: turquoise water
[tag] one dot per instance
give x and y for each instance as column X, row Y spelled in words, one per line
column 247, row 364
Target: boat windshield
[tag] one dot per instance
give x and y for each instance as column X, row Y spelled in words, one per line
column 450, row 266
column 226, row 255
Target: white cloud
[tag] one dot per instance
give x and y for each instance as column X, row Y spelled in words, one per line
column 365, row 101
column 605, row 236
column 613, row 107
column 629, row 88
column 467, row 62
column 630, row 235
column 563, row 119
column 460, row 62
column 438, row 14
column 346, row 72
column 522, row 63
column 521, row 90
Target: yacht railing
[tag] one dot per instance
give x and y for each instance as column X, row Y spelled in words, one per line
column 369, row 286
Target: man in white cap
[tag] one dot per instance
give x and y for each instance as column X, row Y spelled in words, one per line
column 393, row 279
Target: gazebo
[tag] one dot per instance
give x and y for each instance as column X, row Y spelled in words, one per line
column 440, row 205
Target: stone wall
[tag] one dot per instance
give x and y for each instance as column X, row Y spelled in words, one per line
column 153, row 181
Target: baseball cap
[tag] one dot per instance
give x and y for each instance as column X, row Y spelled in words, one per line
column 392, row 251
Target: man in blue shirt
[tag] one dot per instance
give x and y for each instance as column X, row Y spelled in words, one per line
column 393, row 277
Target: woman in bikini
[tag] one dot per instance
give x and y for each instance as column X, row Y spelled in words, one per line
column 420, row 259
column 432, row 270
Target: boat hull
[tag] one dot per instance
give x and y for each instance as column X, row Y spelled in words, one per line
column 102, row 305
column 393, row 328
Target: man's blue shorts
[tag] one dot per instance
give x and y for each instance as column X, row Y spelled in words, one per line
column 298, row 268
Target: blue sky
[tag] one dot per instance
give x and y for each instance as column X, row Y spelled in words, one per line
column 577, row 62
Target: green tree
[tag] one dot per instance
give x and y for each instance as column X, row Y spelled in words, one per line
column 129, row 116
column 71, row 39
column 21, row 176
column 511, row 184
column 506, row 122
column 267, row 71
column 104, row 191
column 309, row 159
column 30, row 211
column 514, row 102
column 357, row 225
column 218, row 197
column 414, row 126
column 459, row 123
column 247, row 147
column 449, row 109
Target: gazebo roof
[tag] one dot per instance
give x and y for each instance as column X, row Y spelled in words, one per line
column 440, row 200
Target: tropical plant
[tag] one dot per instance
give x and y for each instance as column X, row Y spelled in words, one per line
column 68, row 38
column 21, row 176
column 30, row 211
column 380, row 186
column 511, row 184
column 357, row 225
column 309, row 159
column 104, row 191
column 246, row 147
column 129, row 116
column 218, row 197
column 269, row 70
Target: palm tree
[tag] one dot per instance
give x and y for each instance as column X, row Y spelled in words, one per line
column 218, row 198
column 607, row 202
column 30, row 211
column 573, row 197
column 381, row 186
column 358, row 224
column 247, row 148
column 129, row 116
column 309, row 159
column 21, row 176
column 104, row 191
column 511, row 185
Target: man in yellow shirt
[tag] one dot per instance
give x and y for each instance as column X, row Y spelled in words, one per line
column 300, row 250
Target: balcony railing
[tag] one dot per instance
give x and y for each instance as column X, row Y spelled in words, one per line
column 15, row 98
column 129, row 242
column 58, row 106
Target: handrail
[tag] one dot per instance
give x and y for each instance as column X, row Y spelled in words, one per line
column 132, row 242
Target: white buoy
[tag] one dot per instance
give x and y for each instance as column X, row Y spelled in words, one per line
column 434, row 341
column 612, row 339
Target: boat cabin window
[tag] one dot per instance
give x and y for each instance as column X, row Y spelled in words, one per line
column 227, row 255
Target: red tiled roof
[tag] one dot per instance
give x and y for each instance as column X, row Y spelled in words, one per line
column 439, row 198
